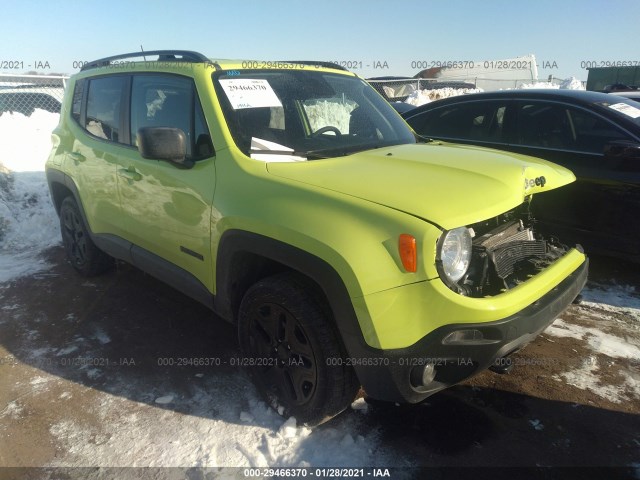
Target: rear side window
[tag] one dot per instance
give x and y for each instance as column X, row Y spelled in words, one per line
column 478, row 121
column 170, row 101
column 558, row 126
column 104, row 107
column 593, row 132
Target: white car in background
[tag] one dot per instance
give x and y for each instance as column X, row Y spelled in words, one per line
column 25, row 99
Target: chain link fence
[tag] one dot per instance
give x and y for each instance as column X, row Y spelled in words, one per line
column 26, row 93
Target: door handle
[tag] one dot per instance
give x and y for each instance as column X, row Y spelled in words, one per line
column 77, row 157
column 129, row 173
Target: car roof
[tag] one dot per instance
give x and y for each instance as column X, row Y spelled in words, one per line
column 179, row 58
column 628, row 93
column 573, row 96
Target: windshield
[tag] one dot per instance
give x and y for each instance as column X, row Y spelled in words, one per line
column 301, row 115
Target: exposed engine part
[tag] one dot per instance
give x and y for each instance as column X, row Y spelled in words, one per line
column 509, row 232
column 506, row 252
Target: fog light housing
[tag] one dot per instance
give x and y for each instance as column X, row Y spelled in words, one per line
column 469, row 336
column 423, row 375
column 463, row 336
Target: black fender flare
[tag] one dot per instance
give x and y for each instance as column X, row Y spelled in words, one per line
column 54, row 177
column 234, row 242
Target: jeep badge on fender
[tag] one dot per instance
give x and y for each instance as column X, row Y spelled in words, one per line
column 535, row 182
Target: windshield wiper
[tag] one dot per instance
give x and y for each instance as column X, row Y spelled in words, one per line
column 349, row 149
column 310, row 155
column 340, row 151
column 324, row 153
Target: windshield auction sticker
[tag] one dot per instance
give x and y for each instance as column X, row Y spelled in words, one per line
column 632, row 112
column 249, row 93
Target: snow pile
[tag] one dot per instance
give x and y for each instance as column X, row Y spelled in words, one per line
column 571, row 83
column 421, row 97
column 25, row 142
column 537, row 85
column 28, row 221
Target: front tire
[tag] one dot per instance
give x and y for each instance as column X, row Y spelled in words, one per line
column 83, row 254
column 294, row 354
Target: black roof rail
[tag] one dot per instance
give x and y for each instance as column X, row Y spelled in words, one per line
column 163, row 55
column 319, row 64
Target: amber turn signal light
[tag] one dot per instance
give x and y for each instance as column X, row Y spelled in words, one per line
column 408, row 252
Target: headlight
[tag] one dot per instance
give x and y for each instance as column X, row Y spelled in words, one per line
column 454, row 253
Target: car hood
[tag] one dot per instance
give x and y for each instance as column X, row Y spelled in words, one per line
column 445, row 184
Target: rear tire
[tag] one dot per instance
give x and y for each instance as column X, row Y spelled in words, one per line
column 83, row 254
column 293, row 352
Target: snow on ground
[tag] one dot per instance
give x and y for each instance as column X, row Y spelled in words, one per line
column 613, row 298
column 215, row 421
column 619, row 353
column 613, row 305
column 226, row 435
column 589, row 377
column 600, row 342
column 28, row 222
column 571, row 83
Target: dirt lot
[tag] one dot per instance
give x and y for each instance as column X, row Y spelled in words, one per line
column 81, row 385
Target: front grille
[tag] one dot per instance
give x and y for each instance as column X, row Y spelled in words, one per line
column 507, row 255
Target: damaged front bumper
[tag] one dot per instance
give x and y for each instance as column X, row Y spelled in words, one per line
column 460, row 348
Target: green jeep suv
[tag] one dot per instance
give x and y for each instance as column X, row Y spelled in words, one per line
column 291, row 199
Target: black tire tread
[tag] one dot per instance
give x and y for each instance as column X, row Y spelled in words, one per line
column 339, row 384
column 97, row 261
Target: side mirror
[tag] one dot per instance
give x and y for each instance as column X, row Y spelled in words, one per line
column 622, row 149
column 164, row 143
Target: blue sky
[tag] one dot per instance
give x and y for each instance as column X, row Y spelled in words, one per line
column 562, row 34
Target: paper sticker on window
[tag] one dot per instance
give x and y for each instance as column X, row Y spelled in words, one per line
column 249, row 93
column 632, row 112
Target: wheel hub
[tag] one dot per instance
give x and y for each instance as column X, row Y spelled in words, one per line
column 283, row 353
